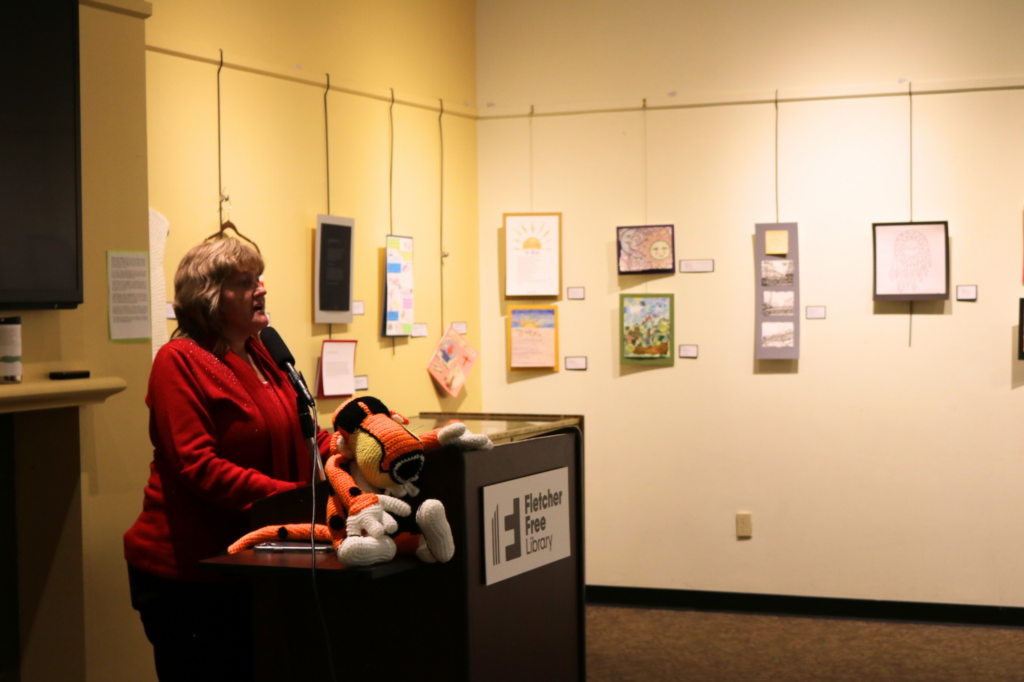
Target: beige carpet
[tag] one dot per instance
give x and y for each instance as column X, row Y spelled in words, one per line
column 654, row 644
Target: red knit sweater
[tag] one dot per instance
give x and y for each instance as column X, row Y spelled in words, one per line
column 221, row 440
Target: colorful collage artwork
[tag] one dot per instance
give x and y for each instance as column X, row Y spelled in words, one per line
column 646, row 329
column 398, row 310
column 452, row 362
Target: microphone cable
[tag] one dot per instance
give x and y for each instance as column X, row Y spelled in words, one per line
column 312, row 556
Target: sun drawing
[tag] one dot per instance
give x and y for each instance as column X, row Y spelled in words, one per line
column 533, row 238
column 529, row 321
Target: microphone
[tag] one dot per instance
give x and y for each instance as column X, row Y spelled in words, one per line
column 286, row 361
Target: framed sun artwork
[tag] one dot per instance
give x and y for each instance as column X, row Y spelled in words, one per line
column 533, row 337
column 646, row 249
column 533, row 254
column 645, row 329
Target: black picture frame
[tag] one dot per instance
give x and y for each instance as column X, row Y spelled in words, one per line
column 1020, row 334
column 628, row 233
column 912, row 295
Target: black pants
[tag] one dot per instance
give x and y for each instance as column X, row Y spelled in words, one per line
column 199, row 631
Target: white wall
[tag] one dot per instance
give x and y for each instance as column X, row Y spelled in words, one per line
column 877, row 470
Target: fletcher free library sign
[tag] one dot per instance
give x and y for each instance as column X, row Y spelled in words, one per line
column 526, row 524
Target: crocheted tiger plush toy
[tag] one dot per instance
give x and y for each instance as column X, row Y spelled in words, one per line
column 374, row 461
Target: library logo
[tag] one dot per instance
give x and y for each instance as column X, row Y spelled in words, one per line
column 537, row 530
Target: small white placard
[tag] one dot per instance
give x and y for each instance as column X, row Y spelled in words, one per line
column 460, row 327
column 696, row 266
column 419, row 329
column 815, row 312
column 578, row 362
column 170, row 311
column 526, row 524
column 967, row 292
column 688, row 352
column 128, row 295
column 362, row 383
column 358, row 308
column 576, row 293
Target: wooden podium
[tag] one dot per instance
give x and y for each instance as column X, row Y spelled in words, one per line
column 406, row 620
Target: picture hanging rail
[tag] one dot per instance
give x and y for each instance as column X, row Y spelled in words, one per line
column 776, row 292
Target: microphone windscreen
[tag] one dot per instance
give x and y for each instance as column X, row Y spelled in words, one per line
column 277, row 348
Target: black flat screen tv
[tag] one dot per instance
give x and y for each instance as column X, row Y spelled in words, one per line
column 40, row 157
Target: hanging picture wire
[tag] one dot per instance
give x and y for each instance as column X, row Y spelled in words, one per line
column 776, row 156
column 910, row 100
column 391, row 177
column 327, row 149
column 643, row 115
column 224, row 198
column 444, row 254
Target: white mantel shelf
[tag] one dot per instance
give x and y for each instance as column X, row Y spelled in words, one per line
column 48, row 394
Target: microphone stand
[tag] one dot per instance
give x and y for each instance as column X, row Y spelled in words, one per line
column 304, row 403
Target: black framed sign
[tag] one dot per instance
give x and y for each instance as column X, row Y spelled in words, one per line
column 911, row 261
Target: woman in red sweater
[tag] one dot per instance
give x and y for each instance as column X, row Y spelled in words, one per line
column 225, row 433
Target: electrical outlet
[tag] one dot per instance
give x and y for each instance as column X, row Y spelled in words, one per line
column 744, row 526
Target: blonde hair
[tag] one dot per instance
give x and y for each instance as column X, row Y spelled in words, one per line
column 197, row 285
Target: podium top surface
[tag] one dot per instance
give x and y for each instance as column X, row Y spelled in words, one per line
column 500, row 428
column 294, row 564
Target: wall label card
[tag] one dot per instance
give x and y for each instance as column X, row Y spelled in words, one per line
column 170, row 311
column 398, row 308
column 967, row 292
column 358, row 308
column 696, row 266
column 526, row 524
column 576, row 363
column 362, row 383
column 688, row 352
column 128, row 295
column 776, row 291
column 533, row 254
column 576, row 293
column 533, row 337
column 815, row 312
column 460, row 327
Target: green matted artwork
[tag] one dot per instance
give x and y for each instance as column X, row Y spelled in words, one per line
column 645, row 329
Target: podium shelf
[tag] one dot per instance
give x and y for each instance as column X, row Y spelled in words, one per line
column 296, row 564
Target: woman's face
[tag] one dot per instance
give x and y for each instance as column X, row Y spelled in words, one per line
column 243, row 304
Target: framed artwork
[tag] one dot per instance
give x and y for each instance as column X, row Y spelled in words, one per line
column 533, row 254
column 777, row 291
column 1020, row 334
column 452, row 362
column 911, row 261
column 645, row 329
column 646, row 249
column 533, row 337
column 398, row 311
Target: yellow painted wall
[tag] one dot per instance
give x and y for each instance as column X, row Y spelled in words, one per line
column 274, row 161
column 877, row 470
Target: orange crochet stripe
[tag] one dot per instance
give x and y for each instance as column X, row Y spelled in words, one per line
column 292, row 531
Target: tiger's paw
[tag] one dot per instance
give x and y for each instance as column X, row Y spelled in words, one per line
column 365, row 550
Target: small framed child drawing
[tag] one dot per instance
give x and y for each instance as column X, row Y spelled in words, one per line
column 646, row 249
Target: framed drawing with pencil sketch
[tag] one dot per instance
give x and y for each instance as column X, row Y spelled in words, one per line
column 911, row 261
column 533, row 254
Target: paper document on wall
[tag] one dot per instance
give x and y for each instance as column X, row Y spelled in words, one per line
column 337, row 368
column 128, row 295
